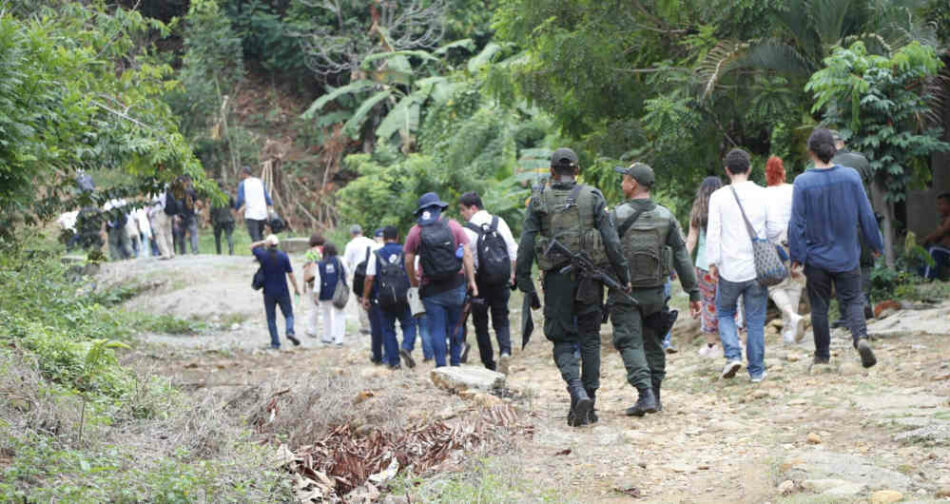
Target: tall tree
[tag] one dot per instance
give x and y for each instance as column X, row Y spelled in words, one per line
column 883, row 104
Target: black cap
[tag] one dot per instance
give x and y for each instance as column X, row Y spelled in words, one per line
column 563, row 156
column 641, row 172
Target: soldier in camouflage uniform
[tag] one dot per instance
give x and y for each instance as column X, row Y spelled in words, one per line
column 651, row 240
column 576, row 216
column 856, row 160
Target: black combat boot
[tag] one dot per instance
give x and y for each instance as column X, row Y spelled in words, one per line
column 656, row 393
column 581, row 404
column 646, row 403
column 592, row 417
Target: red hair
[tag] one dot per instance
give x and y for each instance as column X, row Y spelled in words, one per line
column 774, row 171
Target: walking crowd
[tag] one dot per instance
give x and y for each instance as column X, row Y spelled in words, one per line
column 744, row 245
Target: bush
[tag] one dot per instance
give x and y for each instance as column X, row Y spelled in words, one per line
column 77, row 426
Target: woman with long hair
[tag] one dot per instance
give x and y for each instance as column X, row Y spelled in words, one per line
column 787, row 294
column 696, row 240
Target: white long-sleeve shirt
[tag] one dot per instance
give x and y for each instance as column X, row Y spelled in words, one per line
column 483, row 218
column 355, row 252
column 728, row 246
column 780, row 205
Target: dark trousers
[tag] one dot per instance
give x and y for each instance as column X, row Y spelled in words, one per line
column 286, row 308
column 228, row 229
column 390, row 342
column 495, row 301
column 255, row 228
column 572, row 325
column 847, row 286
column 375, row 316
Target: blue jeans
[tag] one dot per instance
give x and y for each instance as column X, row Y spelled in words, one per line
column 375, row 316
column 408, row 324
column 443, row 311
column 755, row 298
column 941, row 257
column 270, row 308
column 668, row 291
column 422, row 324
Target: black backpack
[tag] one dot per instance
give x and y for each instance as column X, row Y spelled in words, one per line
column 171, row 204
column 359, row 275
column 392, row 282
column 437, row 252
column 494, row 263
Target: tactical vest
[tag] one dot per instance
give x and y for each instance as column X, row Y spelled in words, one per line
column 567, row 215
column 644, row 244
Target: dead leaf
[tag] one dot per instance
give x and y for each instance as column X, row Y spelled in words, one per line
column 631, row 492
column 566, row 451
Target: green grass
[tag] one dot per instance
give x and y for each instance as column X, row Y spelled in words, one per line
column 487, row 481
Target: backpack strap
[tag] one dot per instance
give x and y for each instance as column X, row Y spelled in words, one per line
column 622, row 230
column 340, row 272
column 368, row 250
column 494, row 224
column 478, row 230
column 572, row 198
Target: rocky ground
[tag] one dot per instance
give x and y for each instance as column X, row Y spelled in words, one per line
column 842, row 435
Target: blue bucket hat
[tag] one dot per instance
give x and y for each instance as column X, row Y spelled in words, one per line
column 429, row 208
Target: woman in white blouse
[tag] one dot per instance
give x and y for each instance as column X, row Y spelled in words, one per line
column 787, row 294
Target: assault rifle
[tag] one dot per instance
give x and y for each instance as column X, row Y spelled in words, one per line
column 556, row 252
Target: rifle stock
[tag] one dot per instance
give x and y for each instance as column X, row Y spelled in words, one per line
column 556, row 251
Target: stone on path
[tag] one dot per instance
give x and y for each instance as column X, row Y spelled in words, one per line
column 886, row 497
column 912, row 322
column 467, row 377
column 786, row 487
column 295, row 245
column 814, row 438
column 858, row 471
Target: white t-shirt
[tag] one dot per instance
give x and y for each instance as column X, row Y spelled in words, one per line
column 728, row 245
column 141, row 218
column 255, row 202
column 483, row 218
column 372, row 266
column 355, row 252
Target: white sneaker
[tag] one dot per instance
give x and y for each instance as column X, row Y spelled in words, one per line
column 798, row 325
column 504, row 363
column 710, row 351
column 758, row 379
column 732, row 367
column 788, row 335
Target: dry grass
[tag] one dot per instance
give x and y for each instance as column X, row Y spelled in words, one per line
column 30, row 405
column 304, row 410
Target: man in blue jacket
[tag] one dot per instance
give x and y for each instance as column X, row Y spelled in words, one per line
column 828, row 203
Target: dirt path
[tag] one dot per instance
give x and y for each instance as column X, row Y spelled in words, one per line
column 837, row 436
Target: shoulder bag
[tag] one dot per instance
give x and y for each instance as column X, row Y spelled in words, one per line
column 341, row 293
column 769, row 268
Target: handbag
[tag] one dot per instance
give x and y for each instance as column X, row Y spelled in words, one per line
column 769, row 268
column 341, row 293
column 257, row 283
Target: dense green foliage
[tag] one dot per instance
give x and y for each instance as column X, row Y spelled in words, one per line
column 883, row 101
column 80, row 89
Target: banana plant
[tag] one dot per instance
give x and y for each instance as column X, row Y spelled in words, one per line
column 394, row 84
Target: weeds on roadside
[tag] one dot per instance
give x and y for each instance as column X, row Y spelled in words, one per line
column 77, row 426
